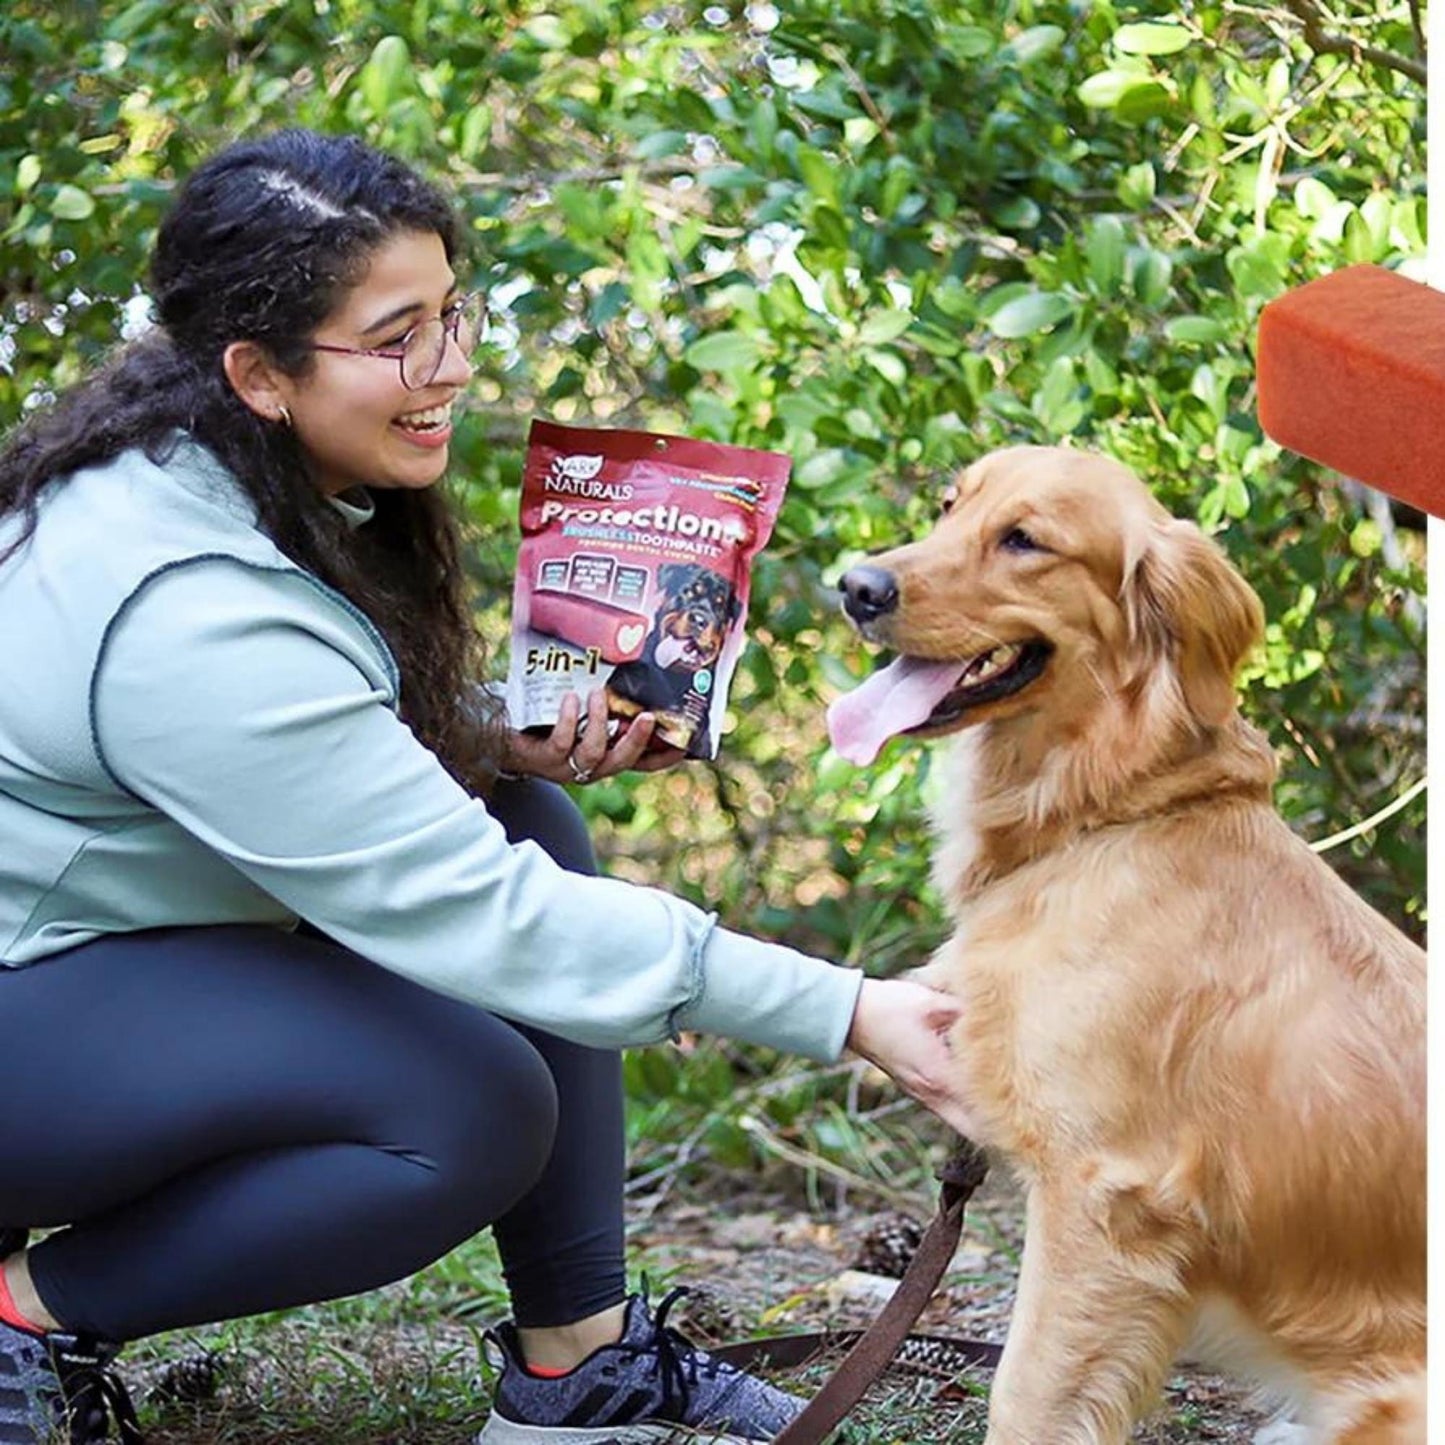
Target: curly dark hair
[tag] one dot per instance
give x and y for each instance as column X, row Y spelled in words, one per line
column 261, row 244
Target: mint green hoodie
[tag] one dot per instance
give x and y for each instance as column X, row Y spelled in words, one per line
column 195, row 731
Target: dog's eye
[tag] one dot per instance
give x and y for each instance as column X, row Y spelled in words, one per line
column 946, row 501
column 1017, row 540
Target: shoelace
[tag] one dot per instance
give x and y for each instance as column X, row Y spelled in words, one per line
column 680, row 1362
column 94, row 1397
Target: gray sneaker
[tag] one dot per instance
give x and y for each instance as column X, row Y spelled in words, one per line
column 652, row 1386
column 56, row 1389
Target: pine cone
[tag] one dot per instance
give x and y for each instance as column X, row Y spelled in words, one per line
column 188, row 1380
column 889, row 1246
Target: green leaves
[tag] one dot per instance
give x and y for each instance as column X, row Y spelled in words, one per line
column 1151, row 38
column 70, row 203
column 1030, row 312
column 1059, row 403
column 723, row 351
column 1034, row 45
column 1260, row 266
column 1150, row 273
column 1133, row 95
column 385, row 73
column 1137, row 185
column 1133, row 89
column 1196, row 331
column 1104, row 249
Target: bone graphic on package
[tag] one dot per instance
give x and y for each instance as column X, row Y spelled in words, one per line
column 585, row 622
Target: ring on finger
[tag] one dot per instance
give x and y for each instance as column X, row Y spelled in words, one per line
column 579, row 774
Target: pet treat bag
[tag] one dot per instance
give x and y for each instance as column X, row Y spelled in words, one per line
column 633, row 575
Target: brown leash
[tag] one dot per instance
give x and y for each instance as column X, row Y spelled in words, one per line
column 877, row 1345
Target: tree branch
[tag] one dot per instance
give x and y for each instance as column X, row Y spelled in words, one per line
column 1324, row 42
column 1417, row 25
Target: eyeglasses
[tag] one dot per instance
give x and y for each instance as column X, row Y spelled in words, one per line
column 421, row 351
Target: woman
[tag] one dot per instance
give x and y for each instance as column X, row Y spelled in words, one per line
column 309, row 972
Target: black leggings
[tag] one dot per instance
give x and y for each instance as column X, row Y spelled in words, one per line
column 235, row 1119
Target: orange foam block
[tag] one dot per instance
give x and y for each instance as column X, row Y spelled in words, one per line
column 1351, row 373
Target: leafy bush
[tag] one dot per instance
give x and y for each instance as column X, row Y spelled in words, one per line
column 883, row 236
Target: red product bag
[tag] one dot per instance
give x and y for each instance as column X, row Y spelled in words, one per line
column 633, row 575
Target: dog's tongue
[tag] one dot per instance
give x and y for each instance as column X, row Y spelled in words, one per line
column 894, row 699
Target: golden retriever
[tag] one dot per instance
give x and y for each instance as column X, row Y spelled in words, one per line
column 1203, row 1054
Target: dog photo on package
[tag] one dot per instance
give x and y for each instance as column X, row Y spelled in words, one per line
column 633, row 575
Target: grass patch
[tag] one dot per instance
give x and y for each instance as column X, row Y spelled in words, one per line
column 406, row 1365
column 403, row 1364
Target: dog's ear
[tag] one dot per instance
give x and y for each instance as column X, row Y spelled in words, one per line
column 1184, row 600
column 672, row 577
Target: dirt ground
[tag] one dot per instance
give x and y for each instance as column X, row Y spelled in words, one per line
column 755, row 1264
column 760, row 1267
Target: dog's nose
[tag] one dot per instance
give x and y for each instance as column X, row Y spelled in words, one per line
column 868, row 593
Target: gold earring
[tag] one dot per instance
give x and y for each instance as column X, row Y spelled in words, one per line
column 283, row 415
